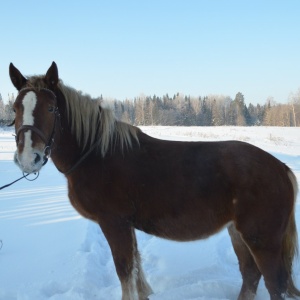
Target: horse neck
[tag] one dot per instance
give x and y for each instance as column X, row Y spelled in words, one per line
column 65, row 149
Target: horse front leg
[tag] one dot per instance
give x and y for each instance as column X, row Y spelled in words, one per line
column 122, row 241
column 143, row 287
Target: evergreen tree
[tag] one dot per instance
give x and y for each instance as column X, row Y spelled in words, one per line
column 206, row 116
column 239, row 106
column 2, row 111
column 8, row 109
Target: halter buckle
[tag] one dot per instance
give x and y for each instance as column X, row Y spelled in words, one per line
column 47, row 151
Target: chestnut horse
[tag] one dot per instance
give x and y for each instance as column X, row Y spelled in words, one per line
column 124, row 180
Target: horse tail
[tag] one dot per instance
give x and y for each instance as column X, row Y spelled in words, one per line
column 290, row 241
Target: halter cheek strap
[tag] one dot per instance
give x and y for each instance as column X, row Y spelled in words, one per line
column 48, row 142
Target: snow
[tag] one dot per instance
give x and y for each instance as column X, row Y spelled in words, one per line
column 50, row 252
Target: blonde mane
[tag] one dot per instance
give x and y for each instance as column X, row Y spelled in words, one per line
column 90, row 122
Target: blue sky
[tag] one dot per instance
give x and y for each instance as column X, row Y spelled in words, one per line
column 122, row 49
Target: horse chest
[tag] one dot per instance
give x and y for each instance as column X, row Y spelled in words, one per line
column 82, row 207
column 91, row 200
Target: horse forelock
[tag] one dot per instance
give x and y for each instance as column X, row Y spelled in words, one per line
column 89, row 121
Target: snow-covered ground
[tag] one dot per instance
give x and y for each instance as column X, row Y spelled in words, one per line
column 50, row 252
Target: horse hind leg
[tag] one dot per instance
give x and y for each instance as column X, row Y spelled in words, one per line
column 248, row 268
column 269, row 259
column 272, row 240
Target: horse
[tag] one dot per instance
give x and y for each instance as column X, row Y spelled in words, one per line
column 123, row 180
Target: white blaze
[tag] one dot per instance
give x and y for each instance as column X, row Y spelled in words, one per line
column 29, row 103
column 26, row 159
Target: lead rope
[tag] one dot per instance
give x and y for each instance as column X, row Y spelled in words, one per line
column 24, row 176
column 80, row 161
column 47, row 152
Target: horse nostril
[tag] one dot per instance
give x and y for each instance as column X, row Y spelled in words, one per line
column 37, row 158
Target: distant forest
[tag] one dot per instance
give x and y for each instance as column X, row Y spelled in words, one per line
column 213, row 110
column 182, row 110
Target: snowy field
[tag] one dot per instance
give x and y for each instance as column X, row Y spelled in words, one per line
column 50, row 252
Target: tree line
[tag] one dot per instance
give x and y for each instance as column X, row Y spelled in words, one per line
column 213, row 110
column 183, row 110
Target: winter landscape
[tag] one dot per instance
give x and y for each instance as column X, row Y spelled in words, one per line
column 49, row 252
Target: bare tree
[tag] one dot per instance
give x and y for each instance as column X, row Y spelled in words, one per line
column 294, row 102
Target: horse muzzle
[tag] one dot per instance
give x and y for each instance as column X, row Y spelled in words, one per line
column 32, row 159
column 29, row 162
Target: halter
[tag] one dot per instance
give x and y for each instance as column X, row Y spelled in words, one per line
column 48, row 142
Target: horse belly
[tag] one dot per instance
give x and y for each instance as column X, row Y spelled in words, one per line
column 185, row 227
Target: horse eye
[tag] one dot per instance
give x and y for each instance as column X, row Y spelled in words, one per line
column 51, row 109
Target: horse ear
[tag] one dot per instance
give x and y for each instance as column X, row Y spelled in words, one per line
column 51, row 77
column 17, row 79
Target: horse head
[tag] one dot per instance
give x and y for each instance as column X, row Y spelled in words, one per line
column 36, row 114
